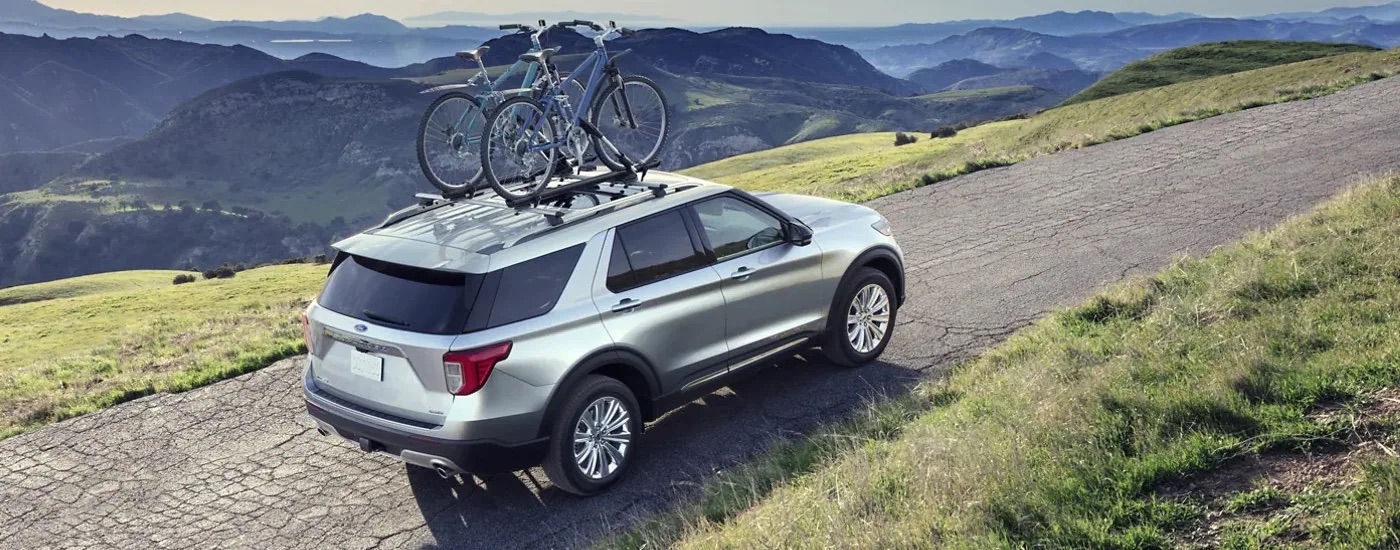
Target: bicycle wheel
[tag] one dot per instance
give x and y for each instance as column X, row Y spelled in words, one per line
column 519, row 149
column 642, row 135
column 449, row 151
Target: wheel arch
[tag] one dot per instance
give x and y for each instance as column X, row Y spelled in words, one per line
column 620, row 364
column 885, row 260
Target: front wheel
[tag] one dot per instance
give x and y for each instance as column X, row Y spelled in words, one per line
column 519, row 149
column 862, row 319
column 634, row 118
column 449, row 148
column 592, row 440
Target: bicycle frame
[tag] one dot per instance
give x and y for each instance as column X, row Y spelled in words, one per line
column 597, row 66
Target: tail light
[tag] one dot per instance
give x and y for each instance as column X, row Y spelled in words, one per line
column 467, row 371
column 306, row 333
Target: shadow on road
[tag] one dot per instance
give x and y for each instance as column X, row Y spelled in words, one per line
column 675, row 457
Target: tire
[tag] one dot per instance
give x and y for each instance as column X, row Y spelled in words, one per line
column 451, row 157
column 563, row 469
column 514, row 174
column 645, row 98
column 840, row 344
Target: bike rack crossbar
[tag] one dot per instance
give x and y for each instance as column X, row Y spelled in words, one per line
column 619, row 181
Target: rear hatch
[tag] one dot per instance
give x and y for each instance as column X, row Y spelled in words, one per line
column 380, row 330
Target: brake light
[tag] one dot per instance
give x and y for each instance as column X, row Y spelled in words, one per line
column 467, row 371
column 306, row 333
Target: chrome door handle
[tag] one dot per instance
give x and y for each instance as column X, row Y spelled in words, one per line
column 743, row 274
column 627, row 306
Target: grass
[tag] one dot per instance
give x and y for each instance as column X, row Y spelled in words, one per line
column 79, row 345
column 863, row 167
column 1207, row 60
column 123, row 281
column 963, row 95
column 1067, row 435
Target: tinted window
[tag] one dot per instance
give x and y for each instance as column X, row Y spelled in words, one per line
column 401, row 297
column 531, row 289
column 734, row 227
column 619, row 269
column 655, row 249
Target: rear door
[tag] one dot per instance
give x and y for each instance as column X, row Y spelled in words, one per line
column 772, row 288
column 380, row 331
column 660, row 297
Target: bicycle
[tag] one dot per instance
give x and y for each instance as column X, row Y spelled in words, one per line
column 449, row 132
column 626, row 126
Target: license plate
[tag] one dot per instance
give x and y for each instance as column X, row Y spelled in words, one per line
column 367, row 365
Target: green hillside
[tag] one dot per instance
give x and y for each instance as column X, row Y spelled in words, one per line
column 77, row 345
column 1207, row 60
column 76, row 287
column 860, row 167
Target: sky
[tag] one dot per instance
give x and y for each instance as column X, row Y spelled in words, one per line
column 726, row 12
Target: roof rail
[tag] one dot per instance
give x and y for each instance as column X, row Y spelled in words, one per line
column 624, row 187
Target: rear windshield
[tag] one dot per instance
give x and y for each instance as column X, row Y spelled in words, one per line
column 407, row 298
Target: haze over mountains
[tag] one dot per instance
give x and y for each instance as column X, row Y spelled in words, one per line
column 256, row 141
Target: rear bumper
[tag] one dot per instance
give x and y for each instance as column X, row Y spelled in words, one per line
column 457, row 456
column 477, row 457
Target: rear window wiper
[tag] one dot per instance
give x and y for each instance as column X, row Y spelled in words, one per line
column 383, row 319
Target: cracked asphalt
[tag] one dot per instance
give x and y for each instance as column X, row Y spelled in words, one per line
column 237, row 464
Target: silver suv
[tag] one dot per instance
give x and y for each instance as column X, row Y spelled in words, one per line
column 471, row 338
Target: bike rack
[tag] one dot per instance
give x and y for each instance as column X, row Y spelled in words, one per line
column 625, row 187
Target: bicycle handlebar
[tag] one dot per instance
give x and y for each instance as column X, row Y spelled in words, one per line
column 580, row 23
column 524, row 28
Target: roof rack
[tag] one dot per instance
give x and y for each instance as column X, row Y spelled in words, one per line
column 623, row 188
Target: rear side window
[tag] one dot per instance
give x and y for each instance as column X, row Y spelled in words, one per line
column 401, row 297
column 531, row 289
column 651, row 250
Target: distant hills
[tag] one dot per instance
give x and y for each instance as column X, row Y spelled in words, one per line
column 1011, row 47
column 478, row 18
column 1059, row 23
column 35, row 13
column 60, row 93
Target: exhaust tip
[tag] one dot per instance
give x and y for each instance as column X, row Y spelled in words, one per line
column 443, row 471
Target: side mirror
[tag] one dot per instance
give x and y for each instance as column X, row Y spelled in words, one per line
column 799, row 234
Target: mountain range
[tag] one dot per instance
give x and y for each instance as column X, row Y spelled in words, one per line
column 1011, row 47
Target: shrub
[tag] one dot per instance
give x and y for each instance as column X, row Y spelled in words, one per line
column 221, row 272
column 320, row 259
column 185, row 278
column 902, row 138
column 944, row 132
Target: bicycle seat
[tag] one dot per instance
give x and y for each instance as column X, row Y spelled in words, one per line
column 540, row 56
column 476, row 54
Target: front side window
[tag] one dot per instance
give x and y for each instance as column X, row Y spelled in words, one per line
column 651, row 250
column 735, row 227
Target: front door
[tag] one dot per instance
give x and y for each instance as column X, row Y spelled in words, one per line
column 770, row 285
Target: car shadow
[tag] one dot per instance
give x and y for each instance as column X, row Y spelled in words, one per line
column 676, row 456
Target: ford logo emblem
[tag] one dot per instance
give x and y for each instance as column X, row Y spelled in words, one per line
column 361, row 328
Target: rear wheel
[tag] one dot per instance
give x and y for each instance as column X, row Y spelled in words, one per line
column 449, row 148
column 862, row 319
column 634, row 119
column 518, row 150
column 593, row 437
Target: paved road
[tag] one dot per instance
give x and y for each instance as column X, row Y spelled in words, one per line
column 236, row 464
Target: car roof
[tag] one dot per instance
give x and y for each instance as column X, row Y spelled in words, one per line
column 473, row 238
